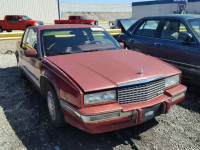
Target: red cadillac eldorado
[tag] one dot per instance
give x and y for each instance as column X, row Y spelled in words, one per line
column 91, row 82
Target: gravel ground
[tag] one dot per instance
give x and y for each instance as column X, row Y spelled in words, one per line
column 24, row 122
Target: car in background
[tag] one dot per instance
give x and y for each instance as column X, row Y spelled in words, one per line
column 123, row 24
column 173, row 38
column 91, row 82
column 17, row 22
column 77, row 20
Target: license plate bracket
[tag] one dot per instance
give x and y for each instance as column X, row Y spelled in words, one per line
column 151, row 112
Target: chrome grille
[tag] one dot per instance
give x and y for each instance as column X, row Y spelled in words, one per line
column 141, row 92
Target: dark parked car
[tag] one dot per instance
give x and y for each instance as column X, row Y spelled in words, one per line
column 172, row 38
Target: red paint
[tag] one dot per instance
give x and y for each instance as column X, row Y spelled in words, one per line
column 74, row 75
column 75, row 20
column 16, row 25
column 110, row 68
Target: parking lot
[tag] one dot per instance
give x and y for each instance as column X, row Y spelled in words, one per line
column 24, row 120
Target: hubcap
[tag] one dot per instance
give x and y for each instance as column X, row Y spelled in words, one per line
column 51, row 105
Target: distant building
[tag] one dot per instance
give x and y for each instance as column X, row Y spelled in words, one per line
column 47, row 10
column 81, row 7
column 44, row 10
column 157, row 7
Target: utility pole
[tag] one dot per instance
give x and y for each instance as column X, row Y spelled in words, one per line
column 59, row 13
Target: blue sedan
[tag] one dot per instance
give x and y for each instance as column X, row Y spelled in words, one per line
column 172, row 38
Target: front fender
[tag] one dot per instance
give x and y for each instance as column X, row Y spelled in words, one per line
column 48, row 76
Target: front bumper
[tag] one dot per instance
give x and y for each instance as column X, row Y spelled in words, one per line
column 109, row 117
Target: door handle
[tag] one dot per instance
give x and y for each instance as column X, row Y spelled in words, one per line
column 157, row 44
column 130, row 40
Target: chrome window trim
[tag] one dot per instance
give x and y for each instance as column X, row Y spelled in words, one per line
column 179, row 62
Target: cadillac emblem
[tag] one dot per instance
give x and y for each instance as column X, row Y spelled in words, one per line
column 141, row 70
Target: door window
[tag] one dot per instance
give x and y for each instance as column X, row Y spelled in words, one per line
column 148, row 28
column 13, row 18
column 16, row 18
column 172, row 28
column 73, row 18
column 10, row 18
column 31, row 40
column 78, row 18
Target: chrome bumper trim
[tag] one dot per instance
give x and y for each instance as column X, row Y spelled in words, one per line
column 90, row 118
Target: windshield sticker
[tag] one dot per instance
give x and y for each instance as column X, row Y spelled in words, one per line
column 97, row 29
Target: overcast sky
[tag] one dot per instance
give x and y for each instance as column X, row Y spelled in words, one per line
column 102, row 1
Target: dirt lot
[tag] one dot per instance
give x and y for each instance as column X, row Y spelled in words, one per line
column 24, row 122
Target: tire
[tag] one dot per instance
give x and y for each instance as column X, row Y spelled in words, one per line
column 1, row 30
column 9, row 30
column 55, row 112
column 28, row 26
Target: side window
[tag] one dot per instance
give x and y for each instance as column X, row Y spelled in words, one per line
column 148, row 28
column 73, row 18
column 9, row 18
column 23, row 44
column 31, row 39
column 16, row 18
column 172, row 28
column 182, row 28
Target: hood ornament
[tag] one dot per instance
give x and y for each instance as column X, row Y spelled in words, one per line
column 142, row 71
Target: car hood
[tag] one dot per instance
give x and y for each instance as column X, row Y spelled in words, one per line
column 99, row 70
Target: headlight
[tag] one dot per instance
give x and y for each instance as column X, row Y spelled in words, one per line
column 36, row 24
column 171, row 81
column 100, row 97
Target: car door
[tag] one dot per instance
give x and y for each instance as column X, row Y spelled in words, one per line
column 144, row 36
column 30, row 65
column 73, row 20
column 170, row 49
column 10, row 23
column 20, row 24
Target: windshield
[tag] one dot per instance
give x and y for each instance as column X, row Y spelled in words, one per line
column 26, row 18
column 195, row 23
column 84, row 17
column 77, row 40
column 127, row 23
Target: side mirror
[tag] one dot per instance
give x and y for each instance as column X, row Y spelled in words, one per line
column 20, row 19
column 30, row 53
column 121, row 44
column 185, row 37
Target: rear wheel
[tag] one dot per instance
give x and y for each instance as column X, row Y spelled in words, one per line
column 9, row 30
column 1, row 30
column 55, row 112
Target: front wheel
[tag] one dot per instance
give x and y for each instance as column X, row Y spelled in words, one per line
column 9, row 30
column 55, row 112
column 1, row 30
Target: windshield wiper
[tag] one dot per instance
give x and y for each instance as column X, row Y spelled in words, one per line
column 100, row 49
column 90, row 50
column 56, row 53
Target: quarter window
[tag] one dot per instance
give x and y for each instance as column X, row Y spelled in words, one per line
column 148, row 28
